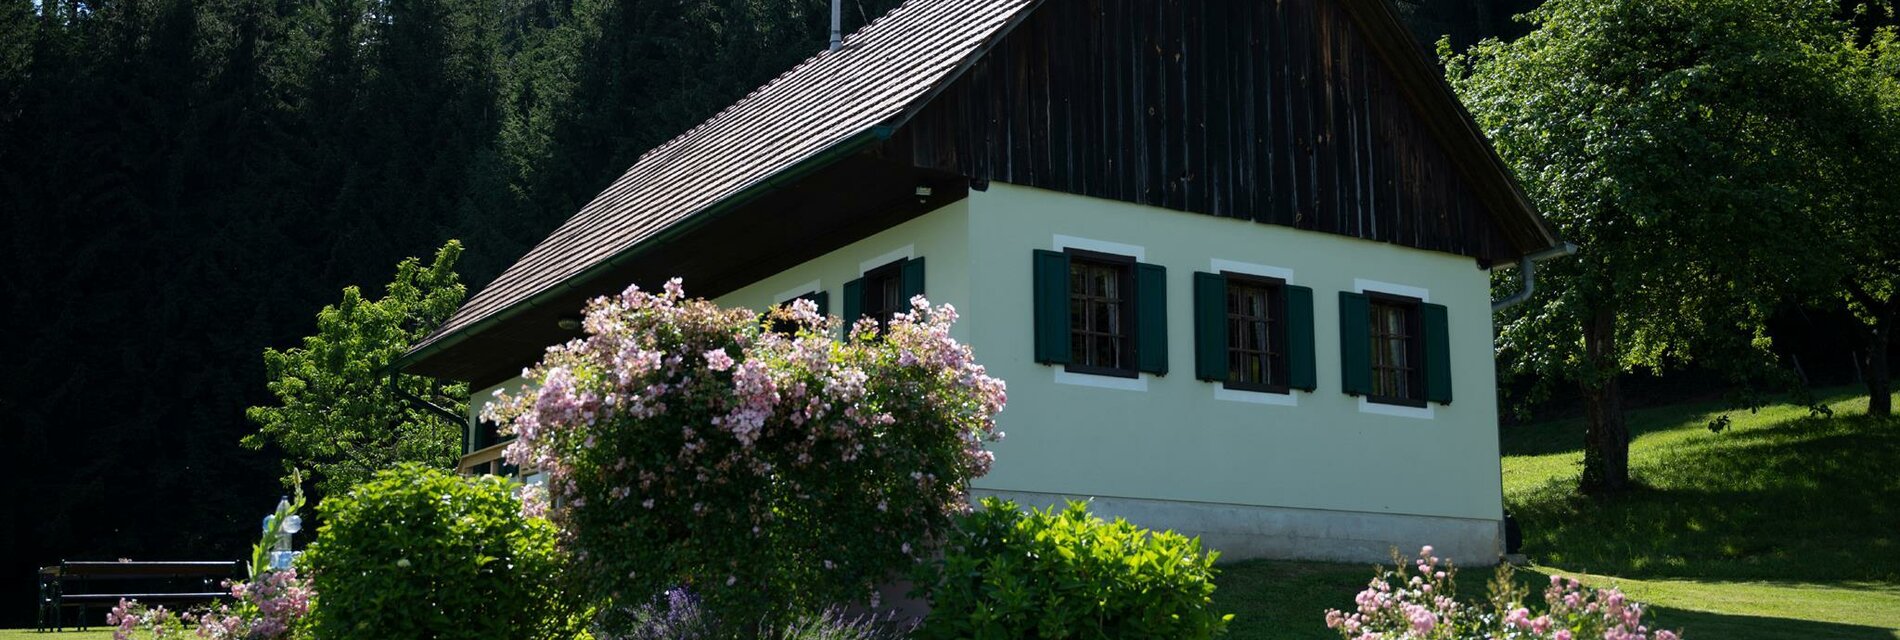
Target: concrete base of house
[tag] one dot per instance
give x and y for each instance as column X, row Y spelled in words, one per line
column 1242, row 532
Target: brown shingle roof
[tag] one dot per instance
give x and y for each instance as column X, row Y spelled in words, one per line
column 883, row 72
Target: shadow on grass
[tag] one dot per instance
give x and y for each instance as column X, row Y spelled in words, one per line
column 1806, row 500
column 1702, row 624
column 1280, row 600
column 1566, row 435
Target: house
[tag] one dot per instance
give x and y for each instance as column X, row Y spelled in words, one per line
column 1233, row 258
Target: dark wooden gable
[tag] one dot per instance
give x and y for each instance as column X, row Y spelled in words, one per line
column 1275, row 110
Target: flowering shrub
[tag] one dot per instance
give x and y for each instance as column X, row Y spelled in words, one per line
column 422, row 553
column 1423, row 604
column 1065, row 574
column 268, row 607
column 769, row 471
column 130, row 617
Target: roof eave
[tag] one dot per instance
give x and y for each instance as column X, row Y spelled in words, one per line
column 1424, row 82
column 441, row 342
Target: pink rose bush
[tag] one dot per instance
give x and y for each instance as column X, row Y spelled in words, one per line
column 267, row 608
column 771, row 471
column 271, row 606
column 1421, row 603
column 1418, row 603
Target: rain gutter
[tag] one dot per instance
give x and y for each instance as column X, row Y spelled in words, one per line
column 1527, row 270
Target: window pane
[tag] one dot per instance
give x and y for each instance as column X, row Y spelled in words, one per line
column 1250, row 346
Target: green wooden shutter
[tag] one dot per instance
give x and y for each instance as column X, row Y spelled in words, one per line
column 1355, row 344
column 1437, row 353
column 912, row 283
column 853, row 304
column 1052, row 307
column 1151, row 318
column 1210, row 326
column 1301, row 372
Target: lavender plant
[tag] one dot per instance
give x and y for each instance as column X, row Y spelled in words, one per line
column 679, row 615
column 773, row 472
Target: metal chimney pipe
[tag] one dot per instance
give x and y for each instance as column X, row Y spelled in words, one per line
column 837, row 24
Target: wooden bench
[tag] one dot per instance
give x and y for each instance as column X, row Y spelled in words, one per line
column 84, row 585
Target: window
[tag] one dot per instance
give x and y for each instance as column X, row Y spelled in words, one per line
column 818, row 298
column 883, row 292
column 1101, row 310
column 1395, row 349
column 1253, row 333
column 1099, row 313
column 1256, row 334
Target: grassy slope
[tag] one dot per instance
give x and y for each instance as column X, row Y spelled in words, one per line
column 97, row 633
column 1785, row 526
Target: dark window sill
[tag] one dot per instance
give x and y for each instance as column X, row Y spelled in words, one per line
column 1397, row 402
column 1102, row 371
column 1257, row 388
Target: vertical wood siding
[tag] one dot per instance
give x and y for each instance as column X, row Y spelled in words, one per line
column 1269, row 110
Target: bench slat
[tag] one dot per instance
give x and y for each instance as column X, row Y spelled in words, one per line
column 166, row 568
column 142, row 597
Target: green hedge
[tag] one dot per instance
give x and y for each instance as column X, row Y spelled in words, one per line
column 421, row 553
column 1049, row 574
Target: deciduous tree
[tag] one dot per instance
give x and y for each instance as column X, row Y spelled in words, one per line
column 340, row 410
column 1687, row 146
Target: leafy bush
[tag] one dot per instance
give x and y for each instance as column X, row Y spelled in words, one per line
column 1065, row 574
column 420, row 553
column 1403, row 605
column 772, row 472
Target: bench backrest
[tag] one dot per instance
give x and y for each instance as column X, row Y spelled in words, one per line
column 89, row 570
column 86, row 578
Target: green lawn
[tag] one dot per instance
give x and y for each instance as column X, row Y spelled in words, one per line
column 1784, row 526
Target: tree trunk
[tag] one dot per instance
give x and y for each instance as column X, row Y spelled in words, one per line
column 1606, row 436
column 1878, row 377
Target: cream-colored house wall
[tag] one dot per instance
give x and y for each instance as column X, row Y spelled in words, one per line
column 940, row 237
column 1181, row 439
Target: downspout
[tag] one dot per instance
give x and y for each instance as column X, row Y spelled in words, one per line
column 424, row 405
column 1527, row 270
